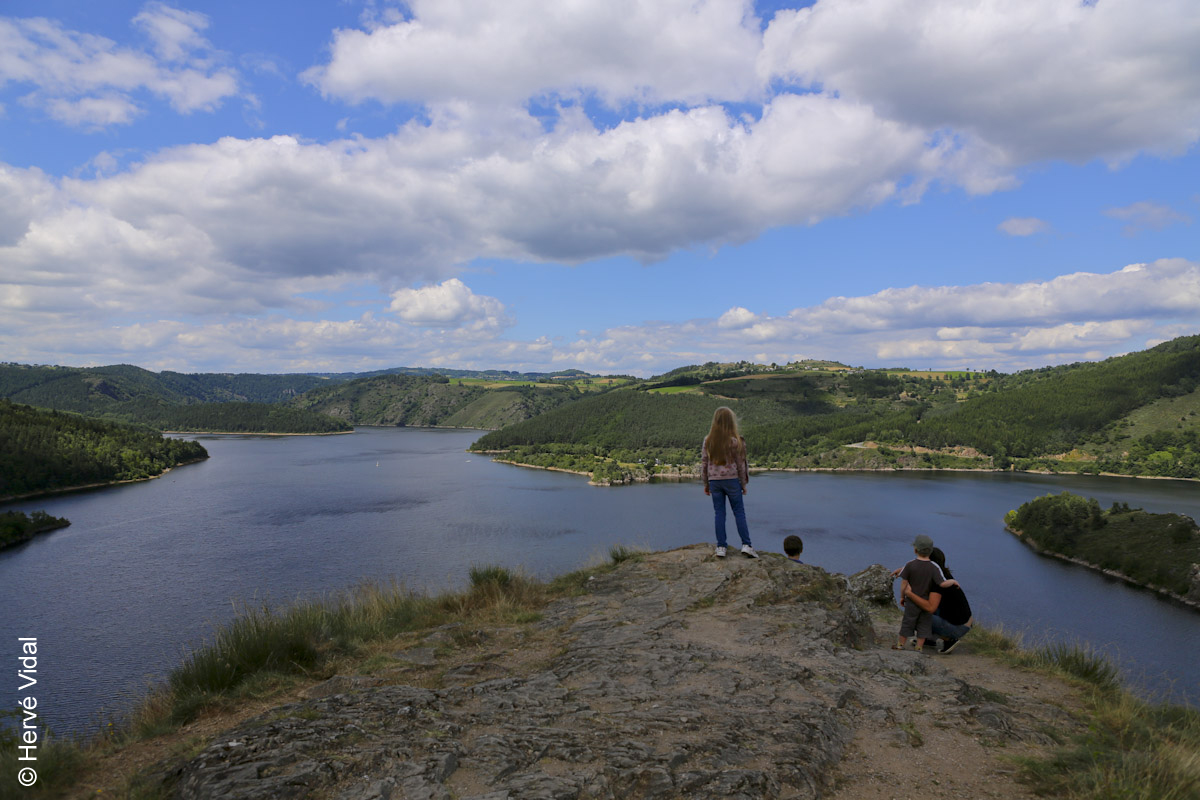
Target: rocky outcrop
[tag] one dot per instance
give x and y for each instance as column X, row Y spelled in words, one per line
column 677, row 676
column 1194, row 584
column 874, row 584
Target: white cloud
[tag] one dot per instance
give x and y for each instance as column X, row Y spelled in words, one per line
column 250, row 223
column 1036, row 79
column 93, row 112
column 622, row 51
column 1078, row 317
column 175, row 34
column 90, row 81
column 737, row 317
column 448, row 304
column 1145, row 216
column 1023, row 226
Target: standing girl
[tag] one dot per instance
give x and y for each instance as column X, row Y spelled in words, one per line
column 725, row 475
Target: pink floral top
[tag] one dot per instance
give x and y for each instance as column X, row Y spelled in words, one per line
column 721, row 472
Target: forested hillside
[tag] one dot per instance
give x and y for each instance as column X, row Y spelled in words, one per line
column 244, row 403
column 431, row 400
column 1072, row 418
column 88, row 390
column 50, row 450
column 1054, row 410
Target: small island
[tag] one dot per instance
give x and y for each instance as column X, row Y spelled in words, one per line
column 17, row 527
column 1155, row 551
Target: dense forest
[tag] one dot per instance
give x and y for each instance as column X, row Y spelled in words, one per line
column 428, row 400
column 241, row 418
column 170, row 400
column 50, row 450
column 84, row 389
column 17, row 527
column 1157, row 550
column 1059, row 408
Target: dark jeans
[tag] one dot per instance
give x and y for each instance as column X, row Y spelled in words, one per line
column 731, row 488
column 948, row 630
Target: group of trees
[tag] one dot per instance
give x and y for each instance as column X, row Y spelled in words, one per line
column 1151, row 549
column 17, row 527
column 49, row 450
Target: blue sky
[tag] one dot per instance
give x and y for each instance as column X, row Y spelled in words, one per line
column 608, row 185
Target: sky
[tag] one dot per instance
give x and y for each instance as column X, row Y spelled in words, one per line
column 616, row 186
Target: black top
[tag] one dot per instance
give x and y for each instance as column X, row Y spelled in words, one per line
column 954, row 607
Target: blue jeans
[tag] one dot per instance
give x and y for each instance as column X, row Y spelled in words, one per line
column 948, row 630
column 731, row 488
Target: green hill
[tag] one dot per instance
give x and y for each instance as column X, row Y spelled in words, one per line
column 49, row 450
column 425, row 400
column 296, row 403
column 1133, row 414
column 90, row 390
column 169, row 400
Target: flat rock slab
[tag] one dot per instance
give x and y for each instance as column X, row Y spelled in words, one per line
column 677, row 676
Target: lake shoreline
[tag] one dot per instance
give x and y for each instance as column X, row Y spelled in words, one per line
column 1112, row 573
column 252, row 433
column 88, row 487
column 685, row 475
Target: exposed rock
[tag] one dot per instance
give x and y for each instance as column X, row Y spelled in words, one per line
column 1194, row 581
column 677, row 676
column 874, row 584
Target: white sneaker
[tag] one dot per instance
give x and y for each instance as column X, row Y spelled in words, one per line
column 748, row 551
column 720, row 552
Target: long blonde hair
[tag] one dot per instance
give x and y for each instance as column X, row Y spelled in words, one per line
column 723, row 440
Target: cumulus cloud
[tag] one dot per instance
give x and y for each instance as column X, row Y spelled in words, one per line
column 1112, row 78
column 1071, row 318
column 245, row 221
column 619, row 50
column 1023, row 226
column 1146, row 216
column 448, row 304
column 737, row 317
column 90, row 81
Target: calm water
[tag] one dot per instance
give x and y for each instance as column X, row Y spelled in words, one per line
column 145, row 570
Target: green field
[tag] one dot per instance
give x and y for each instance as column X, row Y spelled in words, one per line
column 491, row 384
column 676, row 390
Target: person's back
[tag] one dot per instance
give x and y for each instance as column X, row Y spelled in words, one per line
column 954, row 607
column 922, row 575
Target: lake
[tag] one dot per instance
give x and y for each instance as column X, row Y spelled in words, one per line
column 145, row 570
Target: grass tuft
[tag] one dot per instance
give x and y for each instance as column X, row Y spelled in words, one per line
column 619, row 554
column 1133, row 750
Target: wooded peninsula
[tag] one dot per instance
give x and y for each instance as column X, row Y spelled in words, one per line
column 1155, row 551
